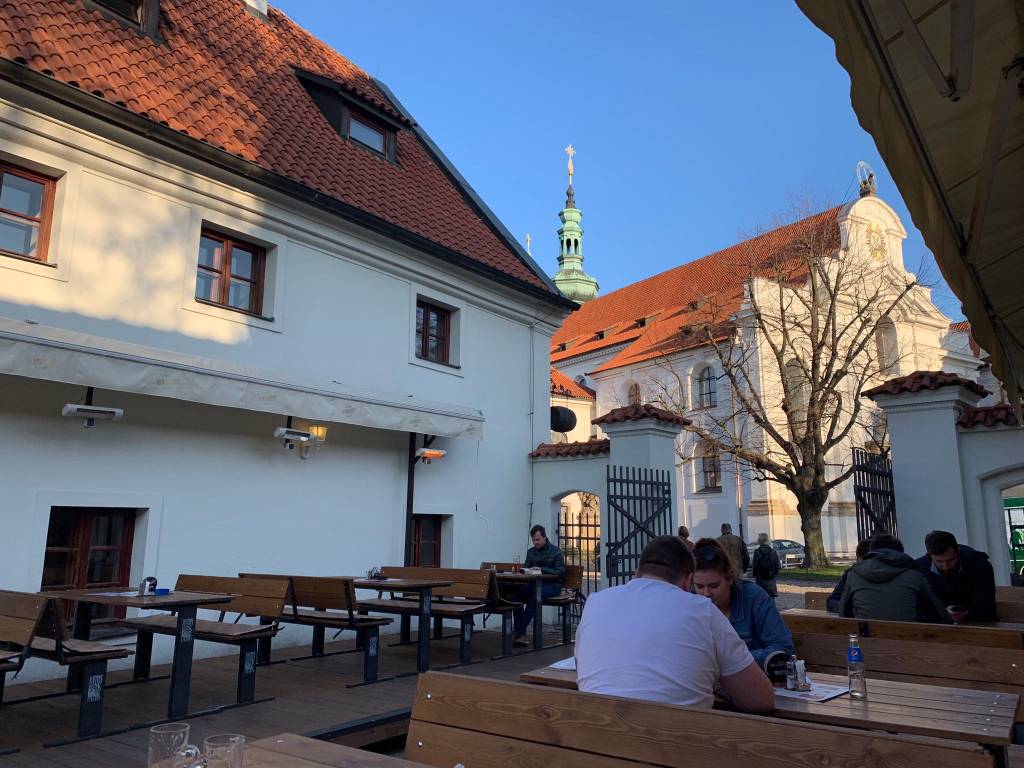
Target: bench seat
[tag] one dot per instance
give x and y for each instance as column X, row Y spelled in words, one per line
column 211, row 631
column 76, row 651
column 333, row 619
column 448, row 610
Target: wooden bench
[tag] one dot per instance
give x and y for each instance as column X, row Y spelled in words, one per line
column 254, row 597
column 917, row 661
column 471, row 593
column 492, row 724
column 572, row 593
column 32, row 626
column 809, row 621
column 1009, row 603
column 325, row 602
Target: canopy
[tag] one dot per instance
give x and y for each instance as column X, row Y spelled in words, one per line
column 54, row 354
column 938, row 86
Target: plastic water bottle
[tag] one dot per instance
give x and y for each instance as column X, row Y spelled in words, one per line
column 855, row 669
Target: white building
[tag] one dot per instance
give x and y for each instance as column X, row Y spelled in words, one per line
column 217, row 237
column 640, row 344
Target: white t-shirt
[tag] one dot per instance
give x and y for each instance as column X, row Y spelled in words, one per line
column 649, row 639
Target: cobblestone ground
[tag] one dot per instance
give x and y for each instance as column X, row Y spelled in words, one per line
column 791, row 593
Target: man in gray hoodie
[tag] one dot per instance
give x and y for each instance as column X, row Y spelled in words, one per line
column 887, row 585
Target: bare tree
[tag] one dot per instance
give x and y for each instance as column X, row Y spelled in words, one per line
column 811, row 331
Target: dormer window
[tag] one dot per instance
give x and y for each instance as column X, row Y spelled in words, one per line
column 353, row 119
column 600, row 335
column 142, row 15
column 129, row 9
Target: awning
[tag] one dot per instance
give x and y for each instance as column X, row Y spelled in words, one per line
column 54, row 354
column 938, row 86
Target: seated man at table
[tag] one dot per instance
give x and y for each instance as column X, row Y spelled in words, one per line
column 886, row 585
column 546, row 556
column 653, row 639
column 832, row 601
column 961, row 577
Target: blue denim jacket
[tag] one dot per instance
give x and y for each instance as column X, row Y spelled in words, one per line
column 757, row 621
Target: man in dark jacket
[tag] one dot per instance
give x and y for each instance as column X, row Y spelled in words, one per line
column 766, row 565
column 736, row 549
column 961, row 577
column 887, row 585
column 832, row 601
column 549, row 558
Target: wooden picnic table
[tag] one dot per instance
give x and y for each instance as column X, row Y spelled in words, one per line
column 424, row 589
column 996, row 634
column 288, row 750
column 981, row 717
column 537, row 579
column 184, row 604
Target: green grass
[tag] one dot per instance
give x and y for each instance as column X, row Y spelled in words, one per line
column 829, row 573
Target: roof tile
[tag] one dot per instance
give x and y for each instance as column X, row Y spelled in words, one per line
column 566, row 387
column 992, row 416
column 638, row 412
column 924, row 380
column 565, row 450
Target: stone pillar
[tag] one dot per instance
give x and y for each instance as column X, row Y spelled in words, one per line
column 925, row 455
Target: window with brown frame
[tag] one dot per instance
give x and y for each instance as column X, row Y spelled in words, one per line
column 427, row 552
column 26, row 212
column 89, row 548
column 129, row 9
column 230, row 273
column 433, row 332
column 711, row 469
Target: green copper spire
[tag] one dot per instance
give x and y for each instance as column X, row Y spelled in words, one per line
column 570, row 278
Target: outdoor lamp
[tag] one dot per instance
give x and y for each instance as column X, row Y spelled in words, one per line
column 318, row 431
column 427, row 455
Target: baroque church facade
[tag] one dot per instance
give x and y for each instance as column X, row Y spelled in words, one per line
column 641, row 343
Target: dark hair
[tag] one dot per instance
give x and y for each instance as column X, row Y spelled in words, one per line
column 538, row 529
column 665, row 557
column 711, row 555
column 684, row 532
column 862, row 548
column 884, row 541
column 938, row 542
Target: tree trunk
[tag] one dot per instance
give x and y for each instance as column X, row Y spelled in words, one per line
column 810, row 524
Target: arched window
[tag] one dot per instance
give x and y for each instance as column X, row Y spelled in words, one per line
column 886, row 345
column 634, row 396
column 796, row 384
column 707, row 396
column 576, row 247
column 710, row 468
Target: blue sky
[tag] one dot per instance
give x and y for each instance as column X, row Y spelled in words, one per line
column 695, row 124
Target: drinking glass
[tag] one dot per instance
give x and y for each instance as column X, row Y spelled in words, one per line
column 224, row 751
column 515, row 564
column 165, row 741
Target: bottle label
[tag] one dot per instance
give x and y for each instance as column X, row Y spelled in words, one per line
column 854, row 655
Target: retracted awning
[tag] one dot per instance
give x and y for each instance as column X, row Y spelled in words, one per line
column 54, row 354
column 938, row 85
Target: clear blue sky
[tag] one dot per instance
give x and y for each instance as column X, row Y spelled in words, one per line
column 695, row 123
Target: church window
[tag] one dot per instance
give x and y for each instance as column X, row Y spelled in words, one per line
column 886, row 345
column 707, row 396
column 710, row 469
column 26, row 205
column 576, row 247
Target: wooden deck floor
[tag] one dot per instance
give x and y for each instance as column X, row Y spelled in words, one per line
column 308, row 697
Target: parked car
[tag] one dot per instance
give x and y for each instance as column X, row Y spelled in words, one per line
column 791, row 553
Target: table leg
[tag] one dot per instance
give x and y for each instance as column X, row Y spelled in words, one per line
column 181, row 666
column 80, row 630
column 538, row 614
column 423, row 631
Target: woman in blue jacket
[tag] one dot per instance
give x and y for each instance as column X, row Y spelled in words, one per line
column 750, row 609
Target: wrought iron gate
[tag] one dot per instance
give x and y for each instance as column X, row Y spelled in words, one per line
column 639, row 508
column 579, row 537
column 873, row 490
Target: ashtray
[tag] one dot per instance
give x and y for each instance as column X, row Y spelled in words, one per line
column 161, row 591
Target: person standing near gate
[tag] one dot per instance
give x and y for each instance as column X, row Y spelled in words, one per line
column 684, row 534
column 736, row 549
column 549, row 558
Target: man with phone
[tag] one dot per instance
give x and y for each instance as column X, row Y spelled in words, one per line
column 961, row 577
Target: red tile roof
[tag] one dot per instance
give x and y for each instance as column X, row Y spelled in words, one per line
column 964, row 326
column 564, row 450
column 992, row 416
column 224, row 77
column 925, row 380
column 701, row 293
column 637, row 412
column 566, row 387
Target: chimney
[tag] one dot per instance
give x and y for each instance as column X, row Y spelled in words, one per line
column 257, row 7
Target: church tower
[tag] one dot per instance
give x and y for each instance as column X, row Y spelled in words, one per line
column 570, row 278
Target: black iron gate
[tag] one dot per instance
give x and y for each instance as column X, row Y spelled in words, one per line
column 579, row 537
column 873, row 490
column 639, row 508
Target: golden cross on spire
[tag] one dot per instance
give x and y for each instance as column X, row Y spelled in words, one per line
column 570, row 151
column 528, row 241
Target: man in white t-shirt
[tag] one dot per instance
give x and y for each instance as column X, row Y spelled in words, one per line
column 652, row 639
